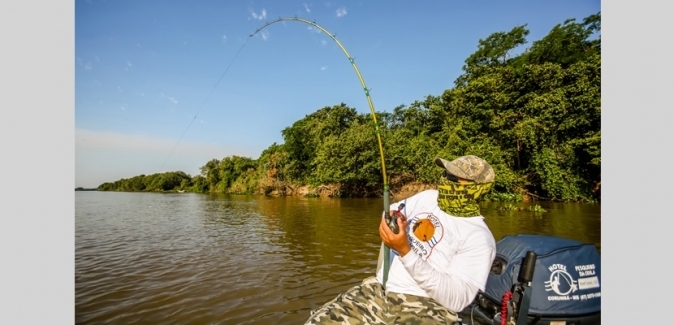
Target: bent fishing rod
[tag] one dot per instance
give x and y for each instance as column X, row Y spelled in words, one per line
column 391, row 221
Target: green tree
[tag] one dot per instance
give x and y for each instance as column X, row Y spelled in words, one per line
column 211, row 174
column 567, row 43
column 230, row 169
column 272, row 169
column 305, row 136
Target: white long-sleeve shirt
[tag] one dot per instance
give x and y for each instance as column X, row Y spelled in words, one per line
column 450, row 258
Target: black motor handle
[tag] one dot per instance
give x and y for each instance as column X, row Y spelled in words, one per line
column 527, row 270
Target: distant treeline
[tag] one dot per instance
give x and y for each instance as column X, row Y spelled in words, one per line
column 85, row 189
column 535, row 116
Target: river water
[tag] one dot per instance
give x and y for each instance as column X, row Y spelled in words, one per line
column 157, row 258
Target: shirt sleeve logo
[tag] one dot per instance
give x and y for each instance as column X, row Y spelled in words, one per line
column 423, row 229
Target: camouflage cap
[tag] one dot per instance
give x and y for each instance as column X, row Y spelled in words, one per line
column 468, row 167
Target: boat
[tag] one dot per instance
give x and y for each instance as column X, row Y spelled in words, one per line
column 539, row 280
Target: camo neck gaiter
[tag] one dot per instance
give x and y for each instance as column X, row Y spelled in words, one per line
column 460, row 199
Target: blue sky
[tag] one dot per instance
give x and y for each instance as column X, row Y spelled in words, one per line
column 146, row 99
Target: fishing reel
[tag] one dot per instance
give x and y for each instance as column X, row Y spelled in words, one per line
column 392, row 220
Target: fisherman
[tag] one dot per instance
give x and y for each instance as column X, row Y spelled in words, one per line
column 441, row 255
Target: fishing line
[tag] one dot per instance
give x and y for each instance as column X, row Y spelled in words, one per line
column 203, row 104
column 386, row 197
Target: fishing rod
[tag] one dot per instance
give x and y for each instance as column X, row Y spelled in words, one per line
column 387, row 250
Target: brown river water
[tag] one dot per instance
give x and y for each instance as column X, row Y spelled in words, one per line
column 155, row 258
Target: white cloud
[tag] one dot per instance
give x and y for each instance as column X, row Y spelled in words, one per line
column 265, row 35
column 87, row 65
column 169, row 98
column 128, row 65
column 314, row 29
column 224, row 38
column 262, row 15
column 323, row 68
column 306, row 7
column 341, row 12
column 323, row 42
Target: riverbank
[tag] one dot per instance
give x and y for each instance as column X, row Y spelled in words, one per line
column 397, row 192
column 400, row 187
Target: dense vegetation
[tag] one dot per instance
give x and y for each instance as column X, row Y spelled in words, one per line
column 535, row 116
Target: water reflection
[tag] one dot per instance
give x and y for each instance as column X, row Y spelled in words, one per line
column 577, row 221
column 221, row 259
